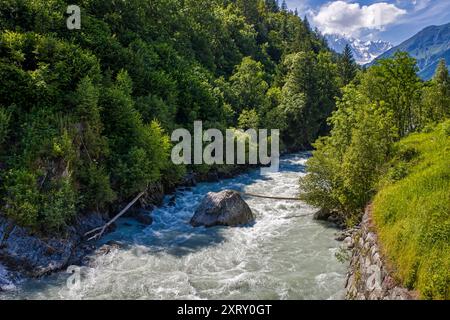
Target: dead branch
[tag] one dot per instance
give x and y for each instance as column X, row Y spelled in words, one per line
column 266, row 197
column 98, row 232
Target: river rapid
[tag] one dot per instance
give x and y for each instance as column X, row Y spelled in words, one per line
column 285, row 254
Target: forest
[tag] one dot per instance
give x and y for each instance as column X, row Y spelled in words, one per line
column 86, row 115
column 390, row 143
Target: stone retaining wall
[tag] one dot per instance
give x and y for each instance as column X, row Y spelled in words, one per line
column 368, row 277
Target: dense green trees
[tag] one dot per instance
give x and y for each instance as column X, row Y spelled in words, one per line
column 85, row 114
column 436, row 96
column 387, row 102
column 375, row 152
column 395, row 82
column 248, row 86
column 346, row 164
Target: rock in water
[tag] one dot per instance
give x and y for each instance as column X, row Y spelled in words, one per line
column 144, row 218
column 226, row 208
column 322, row 214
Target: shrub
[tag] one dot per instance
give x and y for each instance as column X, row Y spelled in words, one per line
column 95, row 191
column 22, row 197
column 4, row 122
column 58, row 205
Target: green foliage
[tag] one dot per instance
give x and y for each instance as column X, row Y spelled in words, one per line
column 85, row 114
column 365, row 157
column 346, row 165
column 412, row 214
column 248, row 119
column 140, row 150
column 95, row 191
column 436, row 96
column 347, row 66
column 22, row 198
column 32, row 205
column 4, row 123
column 395, row 82
column 362, row 160
column 307, row 96
column 248, row 86
column 58, row 205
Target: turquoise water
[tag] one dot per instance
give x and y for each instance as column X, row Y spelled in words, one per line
column 283, row 255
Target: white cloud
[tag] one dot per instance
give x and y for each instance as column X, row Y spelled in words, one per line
column 350, row 19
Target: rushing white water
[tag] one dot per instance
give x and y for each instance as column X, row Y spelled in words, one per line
column 283, row 255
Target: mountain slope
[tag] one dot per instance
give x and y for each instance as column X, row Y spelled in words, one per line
column 428, row 47
column 363, row 51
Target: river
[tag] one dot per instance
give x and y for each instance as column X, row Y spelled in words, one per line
column 285, row 254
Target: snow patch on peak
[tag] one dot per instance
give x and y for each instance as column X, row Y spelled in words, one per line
column 364, row 52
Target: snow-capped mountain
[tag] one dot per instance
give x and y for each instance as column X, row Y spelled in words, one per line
column 364, row 52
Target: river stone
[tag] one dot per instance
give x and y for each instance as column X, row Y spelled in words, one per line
column 226, row 208
column 322, row 214
column 144, row 218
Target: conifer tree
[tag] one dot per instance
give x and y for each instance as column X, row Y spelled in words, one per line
column 347, row 67
column 272, row 5
column 442, row 76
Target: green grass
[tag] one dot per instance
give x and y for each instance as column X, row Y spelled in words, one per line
column 412, row 213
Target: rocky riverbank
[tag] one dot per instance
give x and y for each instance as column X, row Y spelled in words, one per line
column 369, row 277
column 25, row 254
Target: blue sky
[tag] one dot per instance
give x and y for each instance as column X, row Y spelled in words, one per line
column 390, row 20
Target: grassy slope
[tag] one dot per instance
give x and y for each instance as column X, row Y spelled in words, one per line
column 412, row 213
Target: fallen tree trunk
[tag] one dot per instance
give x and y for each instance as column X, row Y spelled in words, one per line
column 98, row 232
column 265, row 197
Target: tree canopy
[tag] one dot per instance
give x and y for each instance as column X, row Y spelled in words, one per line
column 85, row 114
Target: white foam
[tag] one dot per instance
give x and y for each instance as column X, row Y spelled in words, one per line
column 279, row 257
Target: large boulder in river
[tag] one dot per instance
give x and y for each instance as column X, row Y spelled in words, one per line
column 226, row 208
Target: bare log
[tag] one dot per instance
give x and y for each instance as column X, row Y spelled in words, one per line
column 98, row 232
column 266, row 197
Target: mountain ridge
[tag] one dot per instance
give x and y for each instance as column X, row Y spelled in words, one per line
column 428, row 47
column 364, row 52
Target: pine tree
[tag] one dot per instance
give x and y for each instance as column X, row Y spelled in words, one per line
column 307, row 24
column 284, row 6
column 273, row 5
column 347, row 67
column 441, row 76
column 249, row 8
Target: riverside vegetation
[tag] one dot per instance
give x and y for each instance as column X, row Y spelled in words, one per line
column 390, row 143
column 85, row 115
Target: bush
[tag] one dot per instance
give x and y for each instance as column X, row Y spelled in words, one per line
column 22, row 197
column 4, row 122
column 58, row 206
column 41, row 209
column 96, row 191
column 248, row 119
